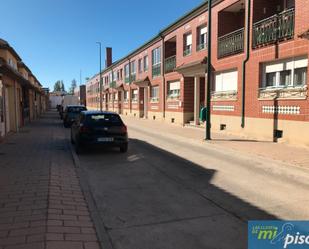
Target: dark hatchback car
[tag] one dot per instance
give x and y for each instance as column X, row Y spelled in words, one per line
column 100, row 129
column 71, row 113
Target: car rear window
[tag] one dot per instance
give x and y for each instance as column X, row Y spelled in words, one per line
column 104, row 119
column 76, row 109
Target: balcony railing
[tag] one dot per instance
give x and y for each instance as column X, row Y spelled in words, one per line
column 232, row 43
column 170, row 64
column 275, row 28
column 156, row 70
column 112, row 84
column 130, row 79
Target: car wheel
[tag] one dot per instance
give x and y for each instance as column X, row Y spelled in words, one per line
column 124, row 148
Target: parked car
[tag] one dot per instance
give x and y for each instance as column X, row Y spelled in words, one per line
column 99, row 128
column 70, row 114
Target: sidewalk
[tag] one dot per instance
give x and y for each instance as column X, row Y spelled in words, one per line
column 297, row 156
column 41, row 202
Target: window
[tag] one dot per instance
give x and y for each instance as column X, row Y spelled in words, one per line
column 127, row 70
column 300, row 75
column 285, row 78
column 110, row 76
column 173, row 89
column 140, row 66
column 126, row 96
column 156, row 56
column 121, row 74
column 202, row 38
column 226, row 81
column 134, row 95
column 146, row 63
column 187, row 44
column 287, row 73
column 133, row 69
column 270, row 79
column 154, row 93
column 115, row 76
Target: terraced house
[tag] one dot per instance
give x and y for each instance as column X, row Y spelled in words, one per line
column 259, row 71
column 22, row 98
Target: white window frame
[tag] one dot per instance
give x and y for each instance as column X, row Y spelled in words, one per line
column 156, row 56
column 154, row 94
column 173, row 89
column 279, row 67
column 134, row 93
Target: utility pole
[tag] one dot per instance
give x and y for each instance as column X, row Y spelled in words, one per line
column 100, row 86
column 209, row 74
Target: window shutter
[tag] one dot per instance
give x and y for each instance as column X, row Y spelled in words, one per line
column 175, row 85
column 203, row 30
column 189, row 40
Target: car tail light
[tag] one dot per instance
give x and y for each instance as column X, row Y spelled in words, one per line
column 124, row 129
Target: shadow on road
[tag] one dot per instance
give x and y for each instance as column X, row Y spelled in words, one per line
column 151, row 198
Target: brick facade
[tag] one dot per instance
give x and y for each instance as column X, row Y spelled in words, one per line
column 292, row 105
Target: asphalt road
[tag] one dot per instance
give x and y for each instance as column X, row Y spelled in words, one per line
column 168, row 194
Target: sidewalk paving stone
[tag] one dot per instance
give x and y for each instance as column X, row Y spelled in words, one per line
column 42, row 205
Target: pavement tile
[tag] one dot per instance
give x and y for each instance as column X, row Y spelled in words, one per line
column 38, row 194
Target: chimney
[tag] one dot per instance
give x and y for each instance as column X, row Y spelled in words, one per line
column 109, row 57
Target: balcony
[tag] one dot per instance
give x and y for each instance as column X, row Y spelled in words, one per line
column 156, row 70
column 112, row 84
column 130, row 79
column 275, row 28
column 230, row 44
column 170, row 64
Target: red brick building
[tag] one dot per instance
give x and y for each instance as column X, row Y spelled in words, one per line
column 259, row 71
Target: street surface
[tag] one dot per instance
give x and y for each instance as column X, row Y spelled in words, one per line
column 170, row 192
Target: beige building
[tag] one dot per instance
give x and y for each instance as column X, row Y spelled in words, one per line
column 21, row 94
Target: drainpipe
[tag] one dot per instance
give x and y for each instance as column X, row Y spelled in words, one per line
column 243, row 97
column 130, row 99
column 163, row 74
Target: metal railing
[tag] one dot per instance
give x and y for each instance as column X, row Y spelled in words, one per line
column 275, row 28
column 170, row 64
column 112, row 84
column 130, row 79
column 232, row 43
column 156, row 70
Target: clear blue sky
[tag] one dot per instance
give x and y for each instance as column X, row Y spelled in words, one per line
column 56, row 38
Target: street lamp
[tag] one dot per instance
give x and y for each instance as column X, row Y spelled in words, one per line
column 100, row 85
column 208, row 97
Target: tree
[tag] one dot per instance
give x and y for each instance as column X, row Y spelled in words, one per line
column 73, row 86
column 59, row 86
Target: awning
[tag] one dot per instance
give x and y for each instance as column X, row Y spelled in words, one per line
column 196, row 68
column 142, row 83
